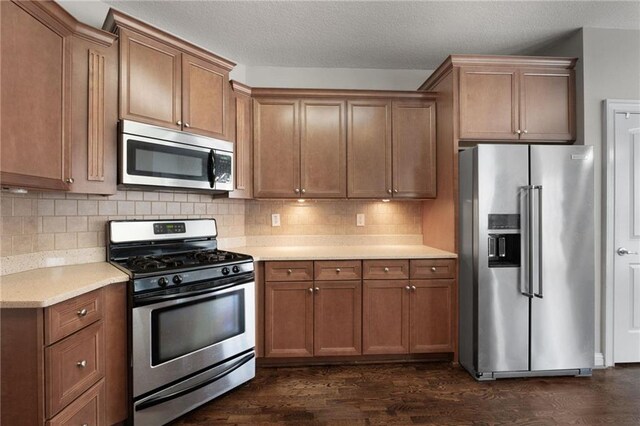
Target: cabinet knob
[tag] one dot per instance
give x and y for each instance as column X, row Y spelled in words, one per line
column 296, row 190
column 303, row 190
column 525, row 131
column 69, row 180
column 337, row 270
column 389, row 191
column 433, row 269
column 186, row 124
column 81, row 364
column 413, row 287
column 310, row 290
column 518, row 131
column 317, row 289
column 408, row 288
column 386, row 269
column 289, row 271
column 82, row 312
column 179, row 122
column 395, row 190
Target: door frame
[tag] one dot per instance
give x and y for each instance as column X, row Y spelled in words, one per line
column 610, row 108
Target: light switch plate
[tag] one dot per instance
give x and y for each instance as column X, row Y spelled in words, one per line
column 275, row 219
column 360, row 219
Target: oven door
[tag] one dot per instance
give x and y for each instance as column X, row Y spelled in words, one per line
column 177, row 337
column 147, row 161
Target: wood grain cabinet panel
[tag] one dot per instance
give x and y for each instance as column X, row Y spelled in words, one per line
column 547, row 104
column 489, row 103
column 71, row 315
column 432, row 268
column 431, row 317
column 150, row 81
column 337, row 308
column 289, row 271
column 276, row 140
column 288, row 319
column 205, row 98
column 389, row 269
column 369, row 149
column 35, row 102
column 385, row 317
column 323, row 149
column 242, row 133
column 414, row 149
column 73, row 366
column 88, row 409
column 331, row 270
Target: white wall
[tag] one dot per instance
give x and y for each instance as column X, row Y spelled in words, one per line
column 608, row 68
column 336, row 78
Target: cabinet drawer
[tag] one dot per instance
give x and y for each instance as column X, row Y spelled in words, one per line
column 385, row 269
column 288, row 271
column 89, row 409
column 73, row 365
column 433, row 268
column 69, row 316
column 333, row 270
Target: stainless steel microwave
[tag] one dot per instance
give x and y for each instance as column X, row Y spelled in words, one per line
column 157, row 157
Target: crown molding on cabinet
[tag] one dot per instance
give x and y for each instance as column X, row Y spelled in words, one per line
column 241, row 88
column 340, row 93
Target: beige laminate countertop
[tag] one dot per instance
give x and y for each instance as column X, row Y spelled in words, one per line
column 44, row 287
column 344, row 252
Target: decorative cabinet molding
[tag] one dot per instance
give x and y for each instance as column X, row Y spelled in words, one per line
column 242, row 133
column 96, row 122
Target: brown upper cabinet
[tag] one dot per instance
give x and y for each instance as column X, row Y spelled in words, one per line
column 343, row 144
column 510, row 98
column 169, row 82
column 242, row 133
column 64, row 140
column 300, row 148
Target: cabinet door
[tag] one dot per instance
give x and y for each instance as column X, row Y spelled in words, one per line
column 205, row 98
column 288, row 319
column 547, row 105
column 488, row 103
column 35, row 103
column 276, row 136
column 414, row 149
column 241, row 110
column 385, row 317
column 369, row 149
column 337, row 318
column 323, row 149
column 150, row 81
column 431, row 322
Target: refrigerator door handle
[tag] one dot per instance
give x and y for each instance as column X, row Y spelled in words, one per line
column 526, row 279
column 540, row 269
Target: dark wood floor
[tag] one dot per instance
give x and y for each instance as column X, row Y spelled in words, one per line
column 431, row 393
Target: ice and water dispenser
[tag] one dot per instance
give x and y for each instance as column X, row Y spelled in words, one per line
column 504, row 241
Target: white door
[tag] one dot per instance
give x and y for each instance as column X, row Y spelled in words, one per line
column 626, row 336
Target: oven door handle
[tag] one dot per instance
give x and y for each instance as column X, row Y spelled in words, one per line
column 168, row 297
column 211, row 169
column 177, row 394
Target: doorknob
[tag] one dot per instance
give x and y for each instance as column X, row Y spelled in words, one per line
column 622, row 251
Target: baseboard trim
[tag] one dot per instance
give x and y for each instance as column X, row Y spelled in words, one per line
column 598, row 360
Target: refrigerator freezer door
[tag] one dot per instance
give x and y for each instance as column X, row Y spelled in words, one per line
column 562, row 320
column 503, row 312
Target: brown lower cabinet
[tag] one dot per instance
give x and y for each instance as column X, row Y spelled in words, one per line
column 66, row 364
column 348, row 308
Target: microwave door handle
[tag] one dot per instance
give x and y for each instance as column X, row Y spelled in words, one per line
column 211, row 169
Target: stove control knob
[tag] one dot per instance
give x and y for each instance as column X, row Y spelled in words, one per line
column 177, row 279
column 235, row 269
column 225, row 271
column 162, row 282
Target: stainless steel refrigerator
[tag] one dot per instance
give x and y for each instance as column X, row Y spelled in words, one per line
column 526, row 260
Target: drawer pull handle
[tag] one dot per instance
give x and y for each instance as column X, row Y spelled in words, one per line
column 337, row 270
column 82, row 312
column 289, row 271
column 433, row 269
column 408, row 288
column 81, row 364
column 413, row 287
column 386, row 269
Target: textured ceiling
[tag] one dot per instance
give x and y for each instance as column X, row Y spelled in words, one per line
column 381, row 34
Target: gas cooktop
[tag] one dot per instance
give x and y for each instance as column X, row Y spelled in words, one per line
column 169, row 262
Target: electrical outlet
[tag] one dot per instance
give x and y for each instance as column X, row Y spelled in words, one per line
column 360, row 219
column 275, row 219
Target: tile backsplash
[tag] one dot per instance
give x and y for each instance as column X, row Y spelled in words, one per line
column 51, row 221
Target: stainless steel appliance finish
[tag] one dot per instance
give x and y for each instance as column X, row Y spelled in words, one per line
column 192, row 315
column 526, row 260
column 157, row 157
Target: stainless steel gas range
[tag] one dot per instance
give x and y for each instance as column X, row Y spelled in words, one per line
column 192, row 315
